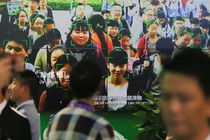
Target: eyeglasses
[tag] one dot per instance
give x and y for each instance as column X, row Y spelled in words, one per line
column 15, row 48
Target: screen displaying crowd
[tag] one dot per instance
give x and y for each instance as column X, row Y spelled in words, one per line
column 130, row 40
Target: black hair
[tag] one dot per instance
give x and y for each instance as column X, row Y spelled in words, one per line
column 205, row 13
column 29, row 79
column 63, row 60
column 112, row 23
column 85, row 78
column 165, row 45
column 124, row 32
column 204, row 23
column 118, row 56
column 203, row 7
column 39, row 16
column 48, row 21
column 33, row 17
column 76, row 25
column 184, row 30
column 36, row 1
column 151, row 22
column 105, row 11
column 98, row 25
column 194, row 20
column 53, row 34
column 160, row 14
column 194, row 63
column 196, row 31
column 179, row 18
column 20, row 38
column 154, row 2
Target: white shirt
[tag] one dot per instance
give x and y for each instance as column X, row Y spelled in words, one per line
column 2, row 105
column 28, row 102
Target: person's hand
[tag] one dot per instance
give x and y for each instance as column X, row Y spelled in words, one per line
column 5, row 71
column 146, row 64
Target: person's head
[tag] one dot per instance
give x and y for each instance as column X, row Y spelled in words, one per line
column 53, row 37
column 152, row 27
column 202, row 8
column 33, row 4
column 22, row 17
column 112, row 28
column 106, row 14
column 206, row 15
column 43, row 3
column 165, row 48
column 116, row 11
column 39, row 22
column 148, row 15
column 32, row 20
column 56, row 52
column 194, row 22
column 204, row 24
column 97, row 23
column 80, row 10
column 155, row 5
column 178, row 22
column 63, row 67
column 86, row 80
column 17, row 44
column 79, row 34
column 197, row 38
column 184, row 36
column 24, row 87
column 117, row 63
column 160, row 15
column 49, row 24
column 84, row 2
column 185, row 102
column 124, row 37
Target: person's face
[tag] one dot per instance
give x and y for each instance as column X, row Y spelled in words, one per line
column 106, row 15
column 152, row 30
column 64, row 76
column 112, row 31
column 55, row 42
column 33, row 5
column 17, row 90
column 43, row 3
column 84, row 2
column 184, row 108
column 48, row 27
column 54, row 57
column 125, row 42
column 194, row 25
column 184, row 40
column 196, row 41
column 117, row 71
column 178, row 24
column 116, row 12
column 80, row 37
column 148, row 15
column 14, row 48
column 165, row 57
column 205, row 30
column 38, row 24
column 160, row 20
column 22, row 17
column 80, row 11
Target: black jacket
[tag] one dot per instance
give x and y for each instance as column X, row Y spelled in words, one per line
column 13, row 125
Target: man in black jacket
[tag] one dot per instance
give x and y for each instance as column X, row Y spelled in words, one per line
column 149, row 71
column 12, row 125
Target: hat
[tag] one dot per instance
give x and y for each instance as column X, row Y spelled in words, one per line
column 165, row 45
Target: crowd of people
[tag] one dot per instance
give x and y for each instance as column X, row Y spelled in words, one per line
column 111, row 59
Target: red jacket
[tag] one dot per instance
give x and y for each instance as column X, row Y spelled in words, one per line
column 142, row 48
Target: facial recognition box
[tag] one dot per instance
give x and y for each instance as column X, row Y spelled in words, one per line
column 13, row 8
